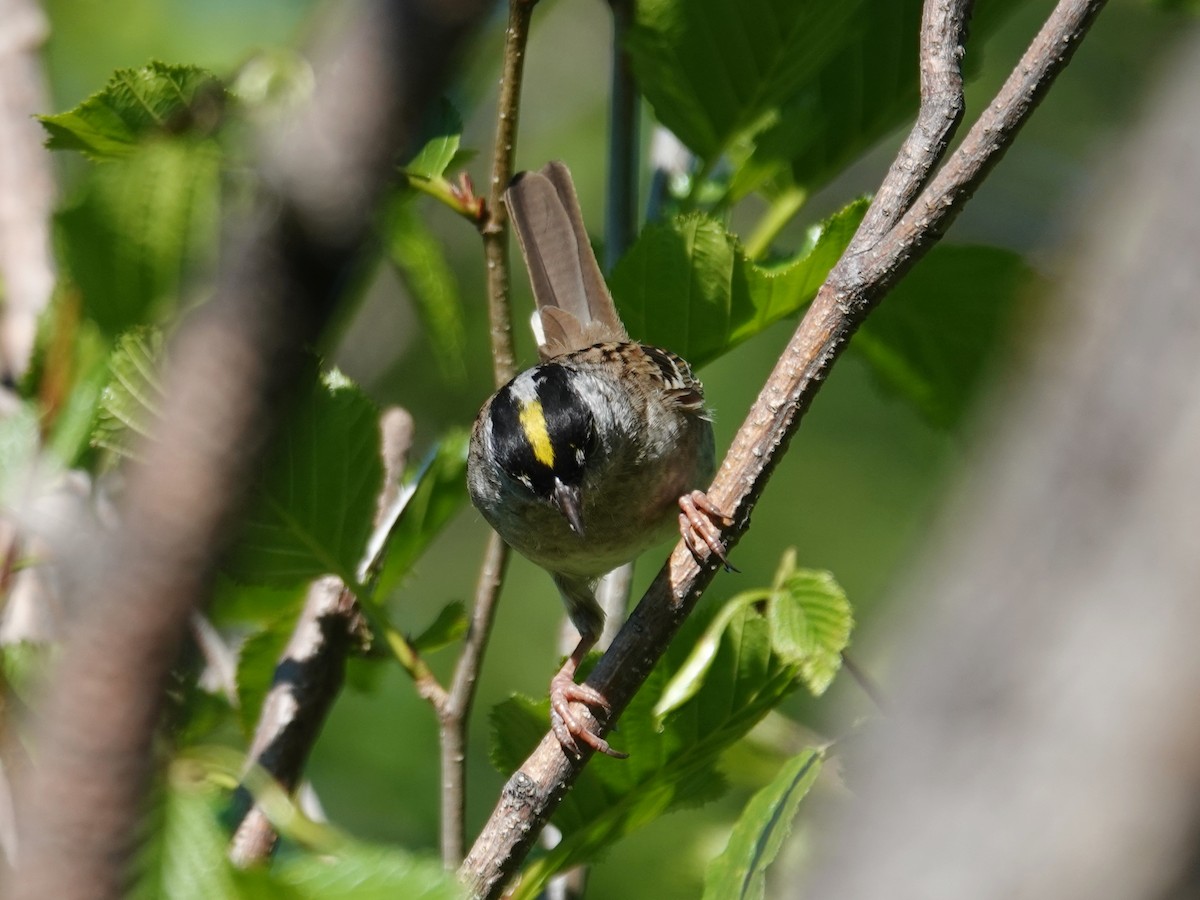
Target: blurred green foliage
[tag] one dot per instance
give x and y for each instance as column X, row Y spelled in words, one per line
column 782, row 101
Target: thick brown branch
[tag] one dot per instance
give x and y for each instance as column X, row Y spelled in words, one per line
column 855, row 285
column 231, row 371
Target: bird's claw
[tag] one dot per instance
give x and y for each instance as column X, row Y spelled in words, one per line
column 567, row 726
column 700, row 524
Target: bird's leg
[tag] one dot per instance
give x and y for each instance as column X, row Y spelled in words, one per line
column 700, row 523
column 563, row 691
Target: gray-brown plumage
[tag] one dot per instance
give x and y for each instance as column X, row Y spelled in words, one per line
column 584, row 461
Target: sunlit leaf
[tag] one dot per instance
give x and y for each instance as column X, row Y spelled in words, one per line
column 435, row 493
column 183, row 854
column 811, row 622
column 138, row 227
column 442, row 134
column 432, row 285
column 450, row 625
column 686, row 285
column 136, row 103
column 132, row 400
column 673, row 761
column 739, row 872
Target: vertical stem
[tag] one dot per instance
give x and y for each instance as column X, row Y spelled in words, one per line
column 495, row 225
column 455, row 713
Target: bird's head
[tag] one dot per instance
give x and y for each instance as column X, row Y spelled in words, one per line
column 544, row 435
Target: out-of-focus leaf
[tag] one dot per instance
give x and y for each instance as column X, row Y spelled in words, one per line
column 932, row 338
column 257, row 660
column 686, row 285
column 673, row 762
column 236, row 605
column 24, row 664
column 436, row 492
column 450, row 625
column 442, row 133
column 739, row 872
column 431, row 282
column 130, row 402
column 313, row 504
column 139, row 225
column 359, row 871
column 136, row 103
column 183, row 853
column 19, row 442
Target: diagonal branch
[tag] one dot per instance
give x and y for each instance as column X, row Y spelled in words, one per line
column 855, row 285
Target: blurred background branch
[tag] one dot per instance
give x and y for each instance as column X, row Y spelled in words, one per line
column 1042, row 740
column 229, row 376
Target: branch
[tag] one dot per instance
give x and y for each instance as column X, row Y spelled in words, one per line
column 854, row 286
column 1050, row 652
column 307, row 681
column 231, row 370
column 455, row 713
column 311, row 670
column 26, row 186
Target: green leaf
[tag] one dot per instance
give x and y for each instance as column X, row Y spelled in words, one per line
column 20, row 439
column 739, row 873
column 672, row 763
column 131, row 400
column 686, row 285
column 257, row 661
column 138, row 227
column 183, row 854
column 364, row 872
column 791, row 90
column 713, row 69
column 235, row 605
column 450, row 625
column 442, row 133
column 419, row 258
column 810, row 621
column 931, row 339
column 157, row 99
column 24, row 664
column 435, row 493
column 314, row 501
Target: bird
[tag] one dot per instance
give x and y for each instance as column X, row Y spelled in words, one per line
column 598, row 452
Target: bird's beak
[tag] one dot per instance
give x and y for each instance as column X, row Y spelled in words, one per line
column 569, row 501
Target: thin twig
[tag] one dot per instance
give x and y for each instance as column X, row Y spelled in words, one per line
column 495, row 225
column 852, row 289
column 455, row 712
column 232, row 369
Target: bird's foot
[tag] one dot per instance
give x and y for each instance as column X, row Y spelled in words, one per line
column 567, row 726
column 700, row 523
